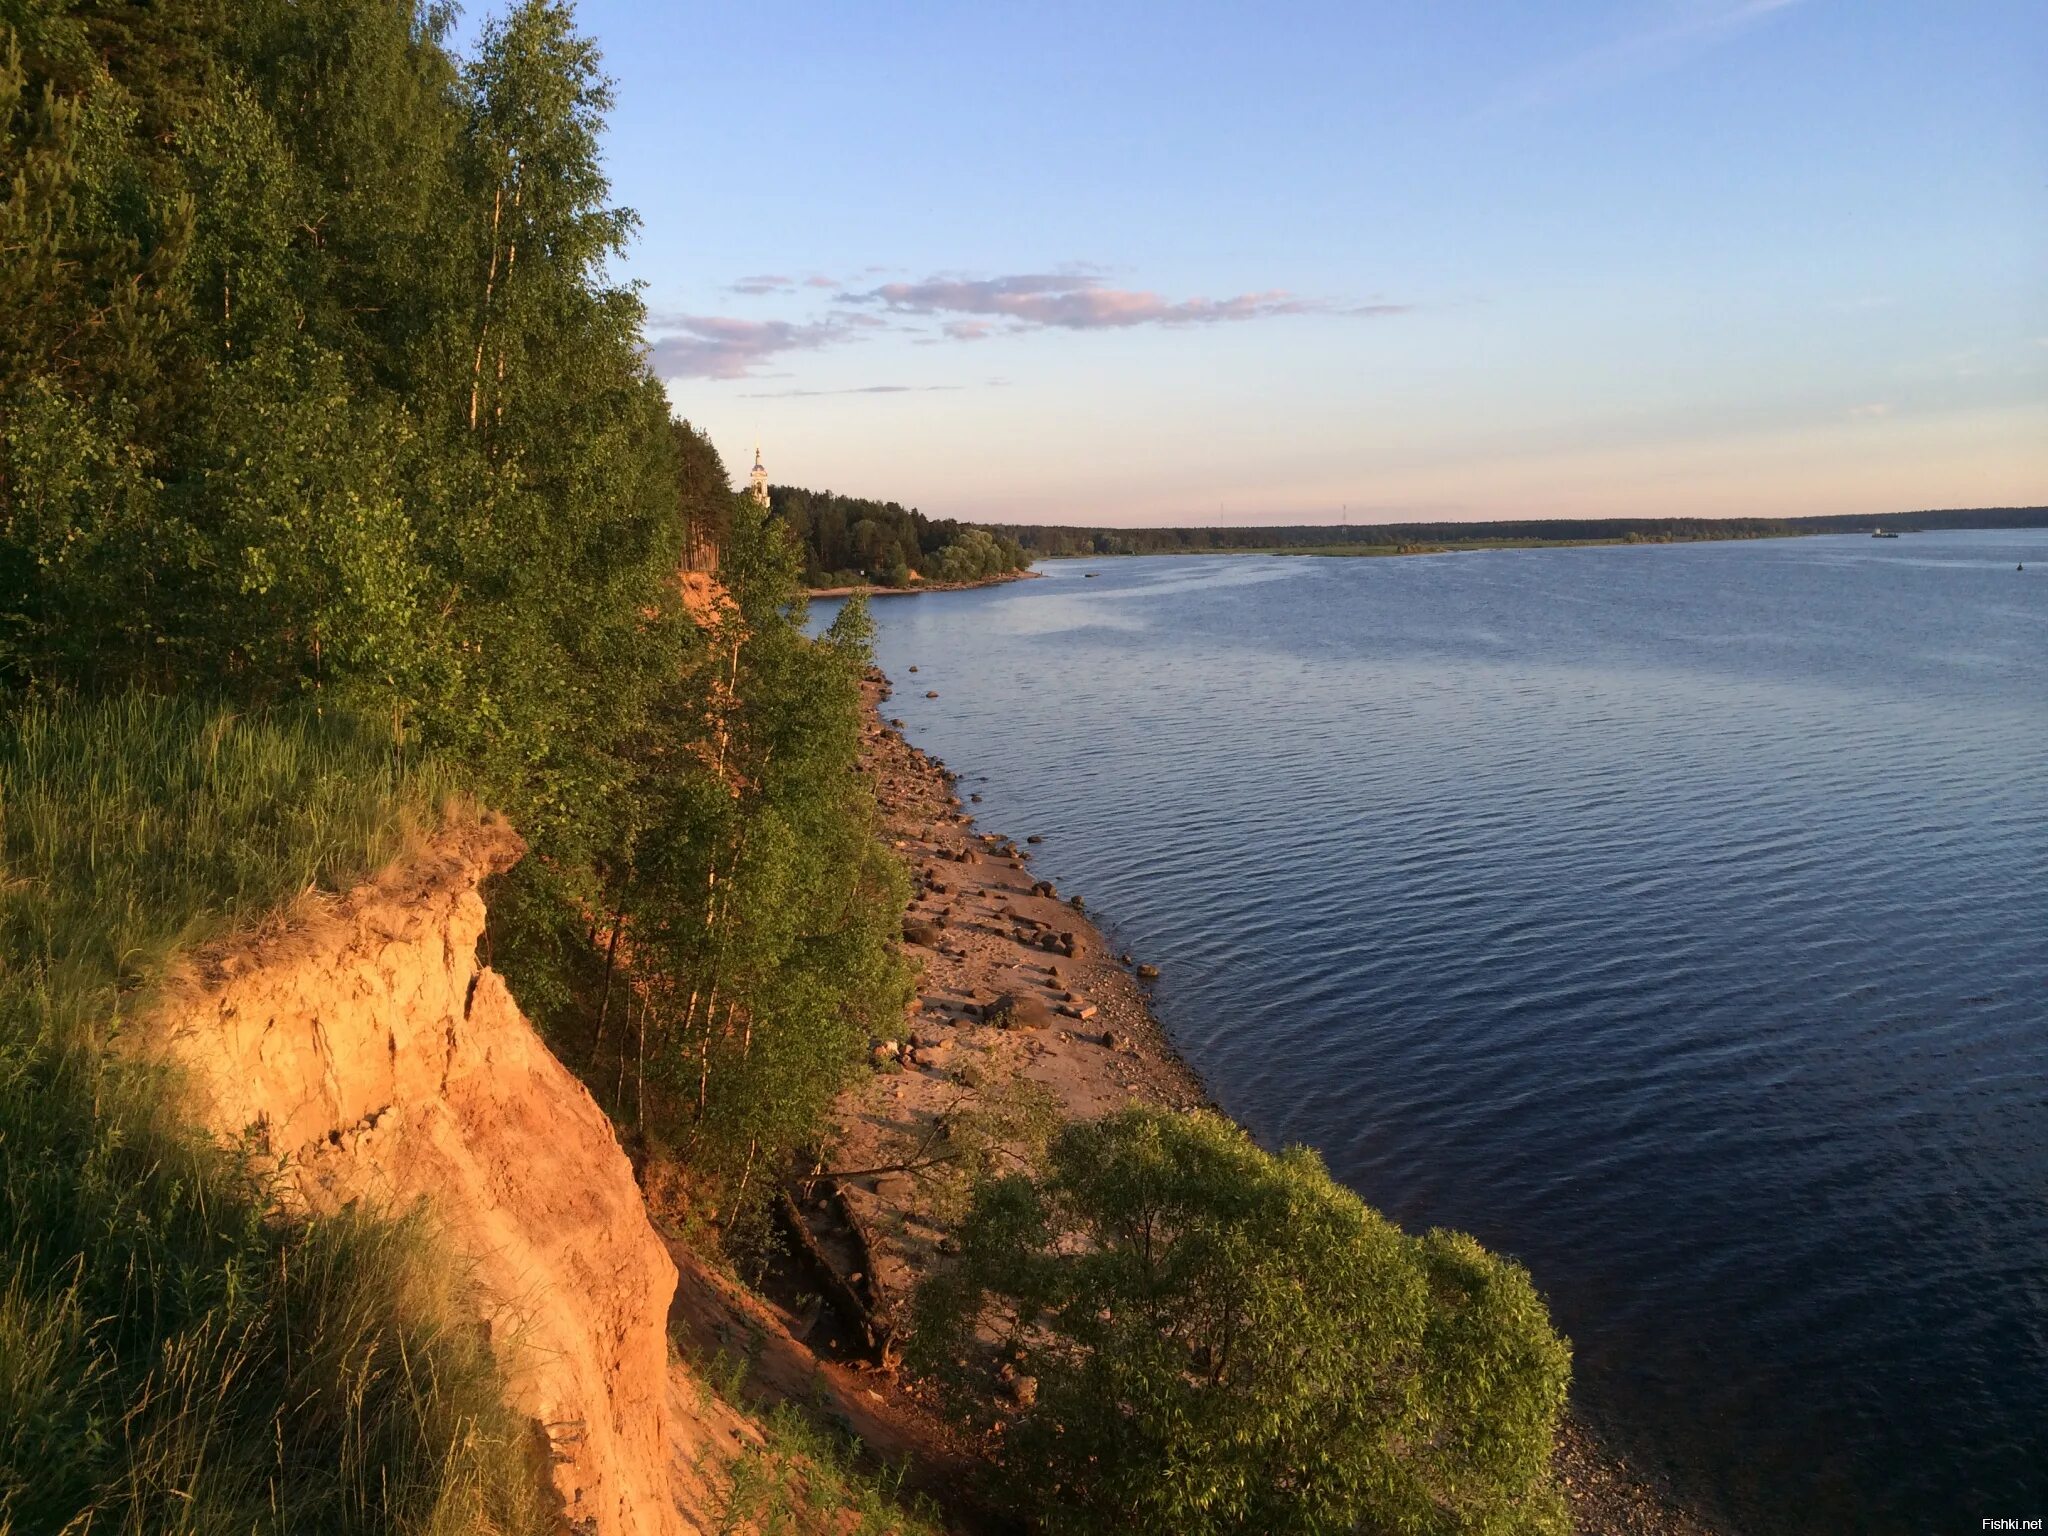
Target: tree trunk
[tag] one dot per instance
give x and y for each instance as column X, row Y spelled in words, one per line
column 476, row 367
column 604, row 1001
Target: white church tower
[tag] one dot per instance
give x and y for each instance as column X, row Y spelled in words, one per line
column 757, row 482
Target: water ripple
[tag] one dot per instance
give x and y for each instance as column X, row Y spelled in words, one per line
column 1673, row 919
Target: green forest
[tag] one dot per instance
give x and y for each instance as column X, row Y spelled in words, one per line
column 323, row 421
column 1039, row 540
column 851, row 541
column 336, row 495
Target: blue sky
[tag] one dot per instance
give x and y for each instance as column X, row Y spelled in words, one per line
column 1126, row 263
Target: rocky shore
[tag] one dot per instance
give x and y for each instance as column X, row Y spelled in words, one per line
column 1018, row 985
column 925, row 586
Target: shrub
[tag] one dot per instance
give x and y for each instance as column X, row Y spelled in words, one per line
column 1222, row 1340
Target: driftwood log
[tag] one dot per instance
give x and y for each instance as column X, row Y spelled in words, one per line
column 857, row 1300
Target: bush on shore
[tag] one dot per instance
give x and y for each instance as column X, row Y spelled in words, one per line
column 1191, row 1334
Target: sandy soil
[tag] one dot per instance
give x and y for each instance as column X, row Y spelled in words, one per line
column 926, row 586
column 984, row 927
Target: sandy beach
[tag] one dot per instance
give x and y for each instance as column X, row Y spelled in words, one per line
column 924, row 586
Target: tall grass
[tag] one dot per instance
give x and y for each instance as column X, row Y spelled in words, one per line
column 175, row 1355
column 805, row 1477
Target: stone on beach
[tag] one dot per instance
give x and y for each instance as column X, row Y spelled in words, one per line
column 1011, row 1011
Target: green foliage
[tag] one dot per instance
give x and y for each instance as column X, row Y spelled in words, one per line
column 804, row 1478
column 976, row 555
column 175, row 1356
column 323, row 387
column 314, row 380
column 846, row 540
column 317, row 390
column 1405, row 538
column 1222, row 1340
column 704, row 494
column 756, row 909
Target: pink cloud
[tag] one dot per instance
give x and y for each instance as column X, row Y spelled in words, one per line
column 718, row 347
column 1078, row 301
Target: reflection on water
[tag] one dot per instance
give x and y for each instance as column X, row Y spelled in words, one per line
column 1673, row 918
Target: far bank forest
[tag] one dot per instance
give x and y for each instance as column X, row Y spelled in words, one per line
column 1043, row 540
column 853, row 541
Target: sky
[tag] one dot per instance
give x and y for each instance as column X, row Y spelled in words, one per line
column 1123, row 263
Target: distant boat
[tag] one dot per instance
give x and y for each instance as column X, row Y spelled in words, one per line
column 1882, row 533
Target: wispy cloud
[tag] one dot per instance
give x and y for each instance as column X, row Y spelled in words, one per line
column 860, row 389
column 1699, row 26
column 1877, row 410
column 943, row 309
column 775, row 282
column 719, row 347
column 1080, row 301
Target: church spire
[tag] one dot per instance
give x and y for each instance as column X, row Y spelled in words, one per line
column 757, row 482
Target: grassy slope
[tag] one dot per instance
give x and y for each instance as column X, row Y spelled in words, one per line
column 174, row 1357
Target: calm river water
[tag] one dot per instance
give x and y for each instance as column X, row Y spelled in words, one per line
column 1674, row 919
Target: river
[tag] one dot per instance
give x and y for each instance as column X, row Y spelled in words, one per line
column 1672, row 918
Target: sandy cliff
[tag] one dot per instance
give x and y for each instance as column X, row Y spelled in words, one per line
column 368, row 1049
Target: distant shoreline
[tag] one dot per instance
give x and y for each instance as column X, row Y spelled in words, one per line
column 1390, row 551
column 1073, row 542
column 1364, row 551
column 924, row 586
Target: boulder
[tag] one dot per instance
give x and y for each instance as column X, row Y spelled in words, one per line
column 1148, row 973
column 917, row 931
column 1015, row 1011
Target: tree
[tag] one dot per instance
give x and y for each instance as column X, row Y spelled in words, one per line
column 703, row 495
column 1222, row 1340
